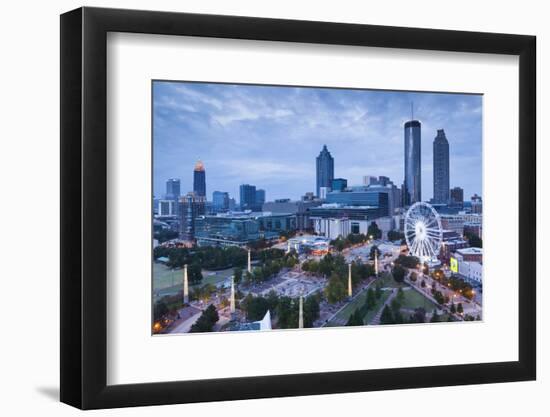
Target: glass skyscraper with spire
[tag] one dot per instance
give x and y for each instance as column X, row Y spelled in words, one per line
column 412, row 191
column 325, row 170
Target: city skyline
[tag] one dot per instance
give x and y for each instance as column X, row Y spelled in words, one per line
column 270, row 136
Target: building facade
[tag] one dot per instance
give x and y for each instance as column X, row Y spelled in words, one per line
column 412, row 185
column 260, row 197
column 324, row 170
column 339, row 184
column 167, row 208
column 220, row 200
column 247, row 196
column 441, row 168
column 199, row 179
column 372, row 196
column 173, row 189
column 190, row 207
column 457, row 197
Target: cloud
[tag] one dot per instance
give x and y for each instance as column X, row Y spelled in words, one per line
column 272, row 135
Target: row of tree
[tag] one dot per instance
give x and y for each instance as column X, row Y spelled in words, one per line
column 373, row 297
column 283, row 308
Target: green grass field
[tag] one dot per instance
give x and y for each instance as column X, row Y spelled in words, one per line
column 388, row 282
column 166, row 280
column 412, row 299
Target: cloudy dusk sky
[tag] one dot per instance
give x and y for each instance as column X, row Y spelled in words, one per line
column 270, row 136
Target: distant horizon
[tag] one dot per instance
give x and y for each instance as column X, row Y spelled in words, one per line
column 269, row 136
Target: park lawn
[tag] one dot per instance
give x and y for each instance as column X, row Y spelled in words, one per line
column 387, row 281
column 165, row 278
column 216, row 277
column 379, row 303
column 412, row 299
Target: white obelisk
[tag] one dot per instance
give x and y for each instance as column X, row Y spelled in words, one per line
column 288, row 247
column 301, row 313
column 249, row 263
column 185, row 285
column 350, row 293
column 376, row 262
column 232, row 300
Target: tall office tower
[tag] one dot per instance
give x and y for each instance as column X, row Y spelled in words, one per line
column 172, row 189
column 325, row 170
column 220, row 200
column 457, row 197
column 412, row 191
column 260, row 197
column 191, row 205
column 441, row 168
column 199, row 179
column 247, row 196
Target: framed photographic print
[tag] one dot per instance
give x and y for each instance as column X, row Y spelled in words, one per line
column 259, row 207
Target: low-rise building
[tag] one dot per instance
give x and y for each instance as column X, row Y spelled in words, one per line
column 471, row 271
column 469, row 255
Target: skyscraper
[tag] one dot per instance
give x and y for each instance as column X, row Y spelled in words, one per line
column 325, row 170
column 412, row 184
column 260, row 197
column 199, row 179
column 457, row 197
column 172, row 189
column 441, row 168
column 220, row 200
column 190, row 206
column 247, row 195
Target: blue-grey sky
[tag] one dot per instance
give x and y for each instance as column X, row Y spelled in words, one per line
column 270, row 136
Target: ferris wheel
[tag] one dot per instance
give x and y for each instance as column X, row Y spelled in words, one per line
column 423, row 231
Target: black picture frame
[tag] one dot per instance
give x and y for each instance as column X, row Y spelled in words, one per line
column 84, row 207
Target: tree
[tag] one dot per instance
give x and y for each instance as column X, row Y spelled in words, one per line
column 386, row 317
column 419, row 315
column 413, row 277
column 194, row 274
column 311, row 310
column 160, row 310
column 435, row 317
column 355, row 319
column 474, row 240
column 395, row 235
column 459, row 308
column 439, row 297
column 335, row 290
column 423, row 284
column 374, row 249
column 453, row 308
column 206, row 321
column 256, row 308
column 371, row 299
column 374, row 231
column 238, row 274
column 398, row 273
column 410, row 262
